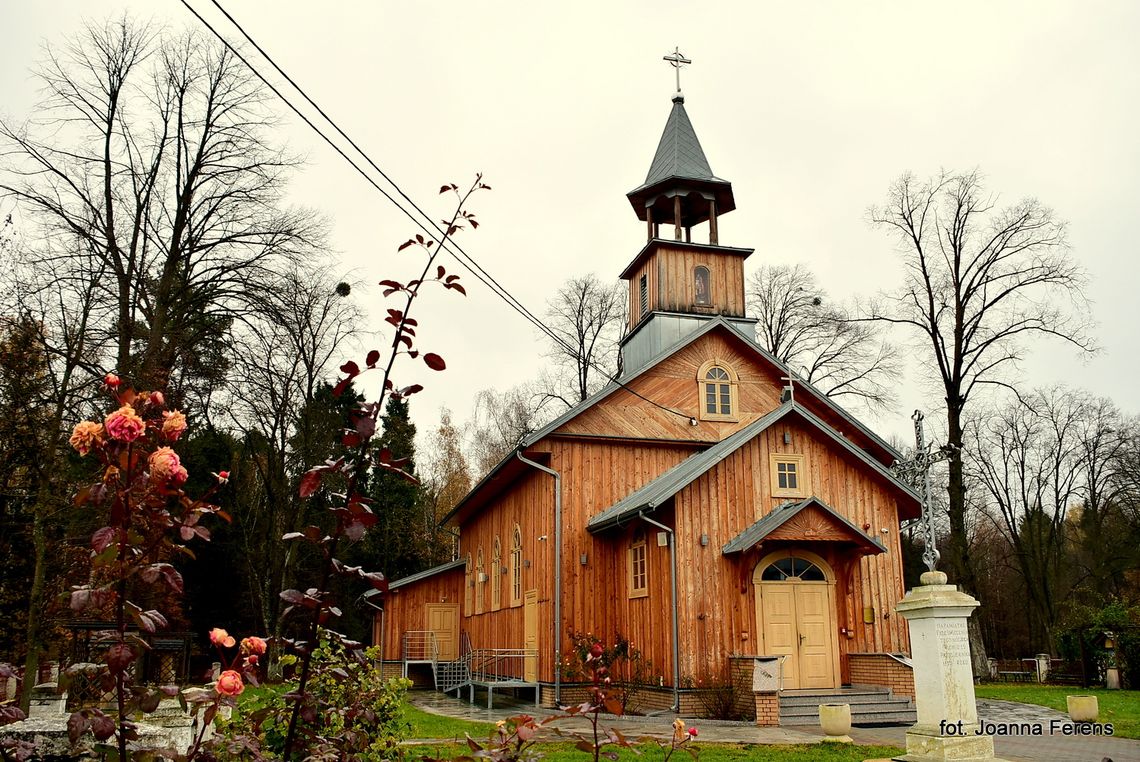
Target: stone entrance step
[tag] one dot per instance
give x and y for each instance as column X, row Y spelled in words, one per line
column 869, row 706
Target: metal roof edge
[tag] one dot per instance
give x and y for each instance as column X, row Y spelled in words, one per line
column 450, row 565
column 820, row 396
column 786, row 514
column 684, row 473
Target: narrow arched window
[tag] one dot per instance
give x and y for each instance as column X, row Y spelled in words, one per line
column 702, row 286
column 496, row 575
column 638, row 566
column 480, row 582
column 718, row 391
column 468, row 587
column 716, row 382
column 516, row 568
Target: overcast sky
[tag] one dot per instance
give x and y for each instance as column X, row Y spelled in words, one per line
column 810, row 109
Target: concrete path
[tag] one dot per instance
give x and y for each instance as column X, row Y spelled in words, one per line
column 1043, row 748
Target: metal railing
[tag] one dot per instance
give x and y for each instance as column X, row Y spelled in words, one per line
column 421, row 647
column 501, row 665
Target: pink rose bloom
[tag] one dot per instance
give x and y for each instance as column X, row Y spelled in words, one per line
column 157, row 399
column 220, row 637
column 253, row 645
column 165, row 466
column 124, row 424
column 111, row 380
column 173, row 424
column 178, row 478
column 693, row 732
column 86, row 435
column 229, row 683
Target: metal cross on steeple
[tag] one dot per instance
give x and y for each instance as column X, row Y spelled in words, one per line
column 677, row 60
column 915, row 470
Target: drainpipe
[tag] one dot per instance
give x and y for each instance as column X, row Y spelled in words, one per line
column 557, row 572
column 676, row 624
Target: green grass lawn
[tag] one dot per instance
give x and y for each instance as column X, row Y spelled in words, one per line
column 1121, row 708
column 428, row 725
column 709, row 752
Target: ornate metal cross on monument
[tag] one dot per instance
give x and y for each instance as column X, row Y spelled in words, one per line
column 677, row 60
column 915, row 471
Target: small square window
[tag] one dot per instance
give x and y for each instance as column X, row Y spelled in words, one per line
column 787, row 475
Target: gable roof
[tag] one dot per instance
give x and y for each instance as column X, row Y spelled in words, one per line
column 713, row 323
column 689, row 470
column 781, row 515
column 449, row 566
column 504, row 474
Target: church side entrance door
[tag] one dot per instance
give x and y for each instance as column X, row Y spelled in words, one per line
column 796, row 617
column 530, row 636
column 443, row 620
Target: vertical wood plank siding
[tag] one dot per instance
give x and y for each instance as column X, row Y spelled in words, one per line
column 603, row 455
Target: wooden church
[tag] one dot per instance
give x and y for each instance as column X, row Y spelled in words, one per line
column 732, row 523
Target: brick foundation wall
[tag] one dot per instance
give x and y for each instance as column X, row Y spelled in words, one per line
column 419, row 674
column 882, row 670
column 767, row 709
column 740, row 672
column 647, row 700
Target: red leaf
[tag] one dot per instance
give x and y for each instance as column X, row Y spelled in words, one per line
column 390, row 286
column 351, row 368
column 119, row 657
column 341, row 386
column 440, row 272
column 405, row 245
column 458, row 288
column 103, row 538
column 77, row 724
column 376, row 580
column 373, row 358
column 434, row 361
column 310, row 482
column 102, row 726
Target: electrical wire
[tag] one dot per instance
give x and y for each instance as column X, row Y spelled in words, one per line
column 457, row 252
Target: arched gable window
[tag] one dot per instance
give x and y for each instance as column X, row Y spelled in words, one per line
column 496, row 575
column 638, row 565
column 468, row 587
column 794, row 569
column 516, row 568
column 716, row 383
column 702, row 285
column 480, row 582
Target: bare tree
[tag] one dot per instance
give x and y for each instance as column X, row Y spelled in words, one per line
column 151, row 151
column 285, row 351
column 978, row 281
column 1028, row 461
column 499, row 423
column 819, row 341
column 447, row 476
column 588, row 316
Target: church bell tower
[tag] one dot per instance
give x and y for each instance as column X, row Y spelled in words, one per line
column 675, row 284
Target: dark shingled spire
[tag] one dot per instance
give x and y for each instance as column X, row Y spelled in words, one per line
column 679, row 153
column 680, row 188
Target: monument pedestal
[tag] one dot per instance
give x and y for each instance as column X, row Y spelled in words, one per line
column 947, row 727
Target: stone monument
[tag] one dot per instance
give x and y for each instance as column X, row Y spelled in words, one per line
column 947, row 727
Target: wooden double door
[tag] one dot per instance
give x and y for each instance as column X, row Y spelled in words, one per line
column 796, row 616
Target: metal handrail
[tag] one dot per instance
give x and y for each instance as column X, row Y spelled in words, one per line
column 420, row 645
column 499, row 665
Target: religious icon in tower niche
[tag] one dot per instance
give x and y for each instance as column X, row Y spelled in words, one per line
column 701, row 280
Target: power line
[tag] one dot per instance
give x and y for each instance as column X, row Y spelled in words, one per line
column 458, row 253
